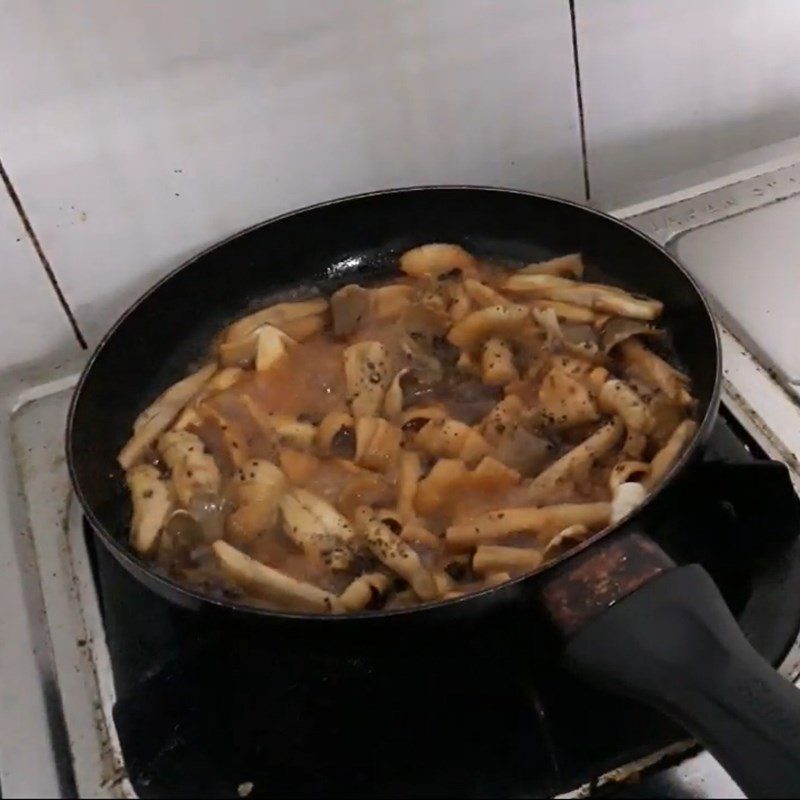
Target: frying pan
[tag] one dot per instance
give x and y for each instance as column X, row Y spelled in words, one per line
column 630, row 619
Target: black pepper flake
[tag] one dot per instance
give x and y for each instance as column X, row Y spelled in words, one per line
column 147, row 494
column 392, row 524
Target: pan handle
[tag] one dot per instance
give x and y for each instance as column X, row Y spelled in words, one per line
column 674, row 644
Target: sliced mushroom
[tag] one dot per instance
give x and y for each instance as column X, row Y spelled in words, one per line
column 653, row 371
column 393, row 401
column 389, row 302
column 318, row 528
column 523, row 451
column 221, row 381
column 332, row 521
column 349, row 306
column 565, row 401
column 565, row 541
column 439, row 490
column 437, row 259
column 569, row 266
column 158, row 416
column 483, row 295
column 575, row 465
column 408, row 478
column 233, row 434
column 272, row 347
column 336, row 435
column 670, row 452
column 377, row 443
column 367, row 370
column 498, row 363
column 492, row 475
column 543, row 523
column 592, row 295
column 273, row 585
column 618, row 329
column 452, row 439
column 276, row 316
column 299, row 466
column 394, row 553
column 193, row 470
column 498, row 558
column 505, row 415
column 258, row 489
column 152, row 504
column 566, row 312
column 303, row 328
column 364, row 590
column 500, row 320
column 617, row 397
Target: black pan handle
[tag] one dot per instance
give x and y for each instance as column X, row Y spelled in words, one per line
column 674, row 644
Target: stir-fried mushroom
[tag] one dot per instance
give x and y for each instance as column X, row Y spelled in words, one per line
column 269, row 583
column 498, row 363
column 193, row 469
column 490, row 558
column 239, row 343
column 437, row 259
column 502, row 321
column 277, row 316
column 317, row 527
column 616, row 397
column 570, row 266
column 565, row 311
column 364, row 590
column 669, row 453
column 564, row 401
column 272, row 347
column 393, row 400
column 483, row 295
column 592, row 295
column 654, row 372
column 336, row 435
column 152, row 503
column 392, row 551
column 407, row 481
column 543, row 523
column 452, row 439
column 367, row 369
column 231, row 432
column 258, row 489
column 437, row 493
column 156, row 418
column 377, row 443
column 618, row 329
column 565, row 541
column 575, row 465
column 349, row 305
column 389, row 302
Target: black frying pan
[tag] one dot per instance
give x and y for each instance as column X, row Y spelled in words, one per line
column 631, row 620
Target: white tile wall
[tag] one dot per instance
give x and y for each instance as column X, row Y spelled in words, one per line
column 138, row 132
column 669, row 85
column 32, row 322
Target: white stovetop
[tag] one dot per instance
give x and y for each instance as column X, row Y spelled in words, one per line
column 54, row 673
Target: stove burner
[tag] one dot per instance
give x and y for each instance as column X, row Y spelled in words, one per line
column 205, row 708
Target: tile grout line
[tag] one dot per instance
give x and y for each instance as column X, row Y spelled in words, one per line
column 37, row 246
column 579, row 92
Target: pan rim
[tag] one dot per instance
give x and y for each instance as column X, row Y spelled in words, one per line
column 134, row 564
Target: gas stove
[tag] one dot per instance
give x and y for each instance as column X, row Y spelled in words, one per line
column 117, row 694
